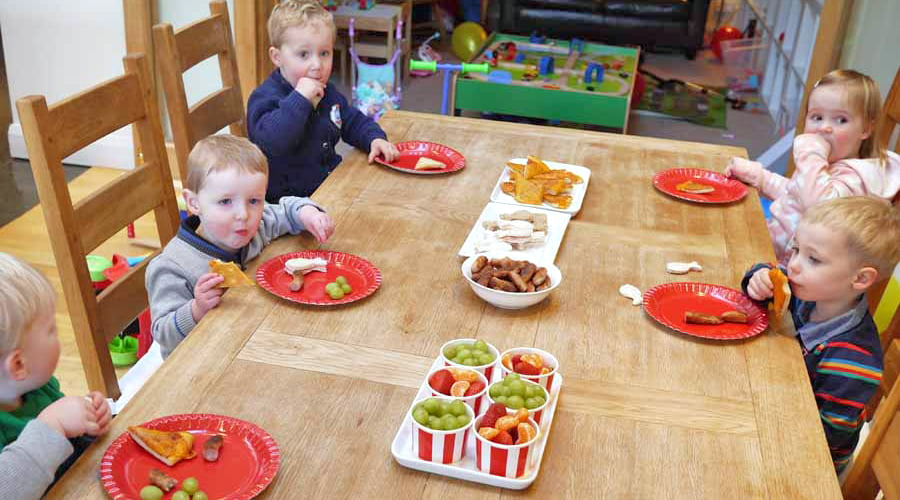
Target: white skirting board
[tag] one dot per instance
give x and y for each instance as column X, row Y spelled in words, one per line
column 116, row 150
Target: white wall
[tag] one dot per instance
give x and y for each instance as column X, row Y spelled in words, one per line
column 57, row 48
column 872, row 41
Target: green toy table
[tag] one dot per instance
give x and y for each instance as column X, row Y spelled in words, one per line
column 562, row 95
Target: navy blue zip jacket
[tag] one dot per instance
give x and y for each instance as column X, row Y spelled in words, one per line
column 299, row 140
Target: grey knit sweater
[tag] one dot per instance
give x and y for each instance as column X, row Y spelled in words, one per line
column 28, row 465
column 171, row 276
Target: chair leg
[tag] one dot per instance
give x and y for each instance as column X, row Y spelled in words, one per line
column 438, row 16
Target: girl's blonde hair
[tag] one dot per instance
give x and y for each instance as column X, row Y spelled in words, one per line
column 290, row 13
column 25, row 295
column 865, row 99
column 221, row 152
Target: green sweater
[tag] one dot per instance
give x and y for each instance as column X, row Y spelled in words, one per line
column 33, row 403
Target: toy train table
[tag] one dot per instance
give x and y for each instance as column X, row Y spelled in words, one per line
column 572, row 81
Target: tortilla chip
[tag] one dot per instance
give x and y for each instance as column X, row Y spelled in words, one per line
column 231, row 272
column 529, row 192
column 781, row 290
column 562, row 201
column 508, row 188
column 555, row 187
column 516, row 167
column 535, row 167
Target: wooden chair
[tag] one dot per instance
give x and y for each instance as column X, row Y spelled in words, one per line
column 878, row 463
column 177, row 52
column 55, row 132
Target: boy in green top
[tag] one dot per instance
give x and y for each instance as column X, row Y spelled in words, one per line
column 38, row 424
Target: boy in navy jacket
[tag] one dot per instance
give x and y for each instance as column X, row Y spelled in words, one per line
column 296, row 117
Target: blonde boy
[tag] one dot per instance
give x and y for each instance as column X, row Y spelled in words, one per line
column 41, row 428
column 296, row 117
column 842, row 247
column 230, row 221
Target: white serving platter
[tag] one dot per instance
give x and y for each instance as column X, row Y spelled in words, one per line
column 556, row 228
column 578, row 190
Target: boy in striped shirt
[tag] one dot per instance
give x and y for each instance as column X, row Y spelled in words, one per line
column 841, row 248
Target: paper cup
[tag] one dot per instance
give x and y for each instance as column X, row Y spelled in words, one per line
column 443, row 447
column 487, row 370
column 509, row 461
column 545, row 380
column 474, row 401
column 536, row 413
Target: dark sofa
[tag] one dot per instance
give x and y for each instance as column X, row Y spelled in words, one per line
column 648, row 23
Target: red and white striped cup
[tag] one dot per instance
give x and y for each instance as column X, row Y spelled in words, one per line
column 545, row 380
column 503, row 460
column 536, row 413
column 443, row 447
column 487, row 370
column 474, row 401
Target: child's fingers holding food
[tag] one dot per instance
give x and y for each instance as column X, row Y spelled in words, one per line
column 760, row 285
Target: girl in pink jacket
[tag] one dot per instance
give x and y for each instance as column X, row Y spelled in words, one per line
column 838, row 154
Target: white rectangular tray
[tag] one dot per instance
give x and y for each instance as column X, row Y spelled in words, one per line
column 556, row 228
column 466, row 469
column 578, row 190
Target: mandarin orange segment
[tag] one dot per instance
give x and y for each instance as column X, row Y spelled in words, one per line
column 488, row 433
column 460, row 374
column 526, row 433
column 506, row 423
column 545, row 370
column 534, row 360
column 522, row 415
column 459, row 388
column 507, row 361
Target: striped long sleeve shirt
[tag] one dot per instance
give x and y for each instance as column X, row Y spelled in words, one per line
column 844, row 362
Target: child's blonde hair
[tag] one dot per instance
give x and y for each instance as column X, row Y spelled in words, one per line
column 290, row 13
column 870, row 225
column 25, row 295
column 220, row 152
column 865, row 99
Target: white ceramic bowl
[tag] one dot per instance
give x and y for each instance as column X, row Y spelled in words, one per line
column 512, row 300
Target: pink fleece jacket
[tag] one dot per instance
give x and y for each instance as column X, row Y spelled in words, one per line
column 816, row 180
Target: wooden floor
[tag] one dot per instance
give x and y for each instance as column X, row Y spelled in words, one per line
column 26, row 238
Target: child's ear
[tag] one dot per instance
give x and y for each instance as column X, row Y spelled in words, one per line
column 14, row 365
column 275, row 56
column 191, row 201
column 870, row 129
column 865, row 278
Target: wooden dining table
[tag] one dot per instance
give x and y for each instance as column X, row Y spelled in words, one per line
column 645, row 412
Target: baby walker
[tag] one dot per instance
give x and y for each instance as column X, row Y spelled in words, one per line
column 376, row 87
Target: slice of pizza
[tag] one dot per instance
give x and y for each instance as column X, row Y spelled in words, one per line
column 426, row 163
column 781, row 290
column 169, row 447
column 231, row 272
column 694, row 187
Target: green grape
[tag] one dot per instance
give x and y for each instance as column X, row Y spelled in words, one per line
column 540, row 392
column 450, row 352
column 340, row 280
column 181, row 495
column 346, row 288
column 331, row 287
column 448, row 421
column 462, row 421
column 501, row 399
column 458, row 359
column 470, row 361
column 465, row 353
column 431, row 405
column 151, row 493
column 337, row 294
column 485, row 358
column 435, row 423
column 200, row 496
column 512, row 376
column 494, row 391
column 530, row 391
column 540, row 401
column 480, row 345
column 517, row 388
column 444, row 408
column 420, row 415
column 190, row 485
column 457, row 408
column 504, row 390
column 515, row 402
column 531, row 403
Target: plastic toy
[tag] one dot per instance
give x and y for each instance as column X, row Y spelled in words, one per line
column 447, row 68
column 376, row 87
column 722, row 34
column 125, row 349
column 366, row 4
column 427, row 53
column 593, row 73
column 537, row 38
column 545, row 67
column 330, row 5
column 467, row 40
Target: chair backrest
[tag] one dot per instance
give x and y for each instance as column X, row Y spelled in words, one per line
column 179, row 51
column 891, row 112
column 878, row 462
column 55, row 132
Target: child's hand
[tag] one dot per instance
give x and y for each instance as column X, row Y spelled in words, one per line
column 805, row 144
column 206, row 295
column 102, row 411
column 312, row 90
column 760, row 286
column 744, row 170
column 316, row 222
column 71, row 416
column 381, row 147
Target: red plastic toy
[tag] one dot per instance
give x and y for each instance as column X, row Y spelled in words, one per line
column 724, row 33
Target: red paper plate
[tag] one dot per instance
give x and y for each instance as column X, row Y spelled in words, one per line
column 668, row 302
column 248, row 459
column 411, row 151
column 363, row 277
column 727, row 190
